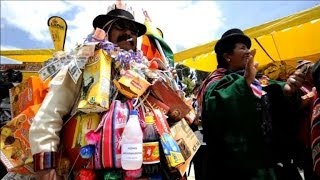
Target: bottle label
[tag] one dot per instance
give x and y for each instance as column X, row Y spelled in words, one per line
column 131, row 152
column 151, row 153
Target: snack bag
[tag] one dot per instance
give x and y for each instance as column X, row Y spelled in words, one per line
column 85, row 123
column 96, row 83
column 131, row 84
column 29, row 92
column 15, row 148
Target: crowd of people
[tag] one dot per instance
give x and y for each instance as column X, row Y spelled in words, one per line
column 253, row 127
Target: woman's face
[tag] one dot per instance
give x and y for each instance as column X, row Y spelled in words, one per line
column 237, row 60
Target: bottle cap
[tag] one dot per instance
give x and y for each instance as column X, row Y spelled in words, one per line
column 149, row 119
column 134, row 112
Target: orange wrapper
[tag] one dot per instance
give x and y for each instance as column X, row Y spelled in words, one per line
column 15, row 150
column 29, row 92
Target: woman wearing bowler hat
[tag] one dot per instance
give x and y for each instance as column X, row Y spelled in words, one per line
column 245, row 115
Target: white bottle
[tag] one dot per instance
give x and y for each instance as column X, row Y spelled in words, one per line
column 131, row 143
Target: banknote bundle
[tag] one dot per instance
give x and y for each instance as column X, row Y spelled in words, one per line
column 74, row 63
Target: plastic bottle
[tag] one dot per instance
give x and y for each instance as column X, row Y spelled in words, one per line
column 131, row 143
column 151, row 157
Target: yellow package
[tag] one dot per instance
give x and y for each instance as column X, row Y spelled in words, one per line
column 96, row 83
column 85, row 123
column 171, row 150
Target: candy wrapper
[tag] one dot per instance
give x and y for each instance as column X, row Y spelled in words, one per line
column 171, row 150
column 131, row 84
column 170, row 147
column 15, row 148
column 96, row 83
column 85, row 124
column 29, row 92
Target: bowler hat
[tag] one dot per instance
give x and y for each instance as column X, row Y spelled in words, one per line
column 101, row 20
column 231, row 36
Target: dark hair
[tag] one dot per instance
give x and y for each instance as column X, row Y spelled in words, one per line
column 316, row 75
column 228, row 48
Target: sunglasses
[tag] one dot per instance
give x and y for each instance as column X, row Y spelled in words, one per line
column 123, row 25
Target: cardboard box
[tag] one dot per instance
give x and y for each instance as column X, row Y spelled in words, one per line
column 96, row 83
column 132, row 84
column 187, row 141
column 178, row 108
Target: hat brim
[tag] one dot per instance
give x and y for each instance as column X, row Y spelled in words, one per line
column 232, row 39
column 102, row 19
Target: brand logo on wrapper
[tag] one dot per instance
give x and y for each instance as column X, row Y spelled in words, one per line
column 92, row 100
column 54, row 23
column 93, row 60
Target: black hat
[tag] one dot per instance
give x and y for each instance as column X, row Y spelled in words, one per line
column 102, row 19
column 231, row 36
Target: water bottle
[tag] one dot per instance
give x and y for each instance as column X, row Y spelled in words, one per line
column 131, row 143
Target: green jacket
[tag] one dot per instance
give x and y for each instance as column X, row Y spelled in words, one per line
column 238, row 127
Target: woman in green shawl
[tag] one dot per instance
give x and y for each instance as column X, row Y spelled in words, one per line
column 246, row 117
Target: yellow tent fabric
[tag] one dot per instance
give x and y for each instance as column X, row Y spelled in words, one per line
column 28, row 55
column 287, row 39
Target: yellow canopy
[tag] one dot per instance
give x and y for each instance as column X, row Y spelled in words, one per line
column 31, row 56
column 287, row 39
column 28, row 55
